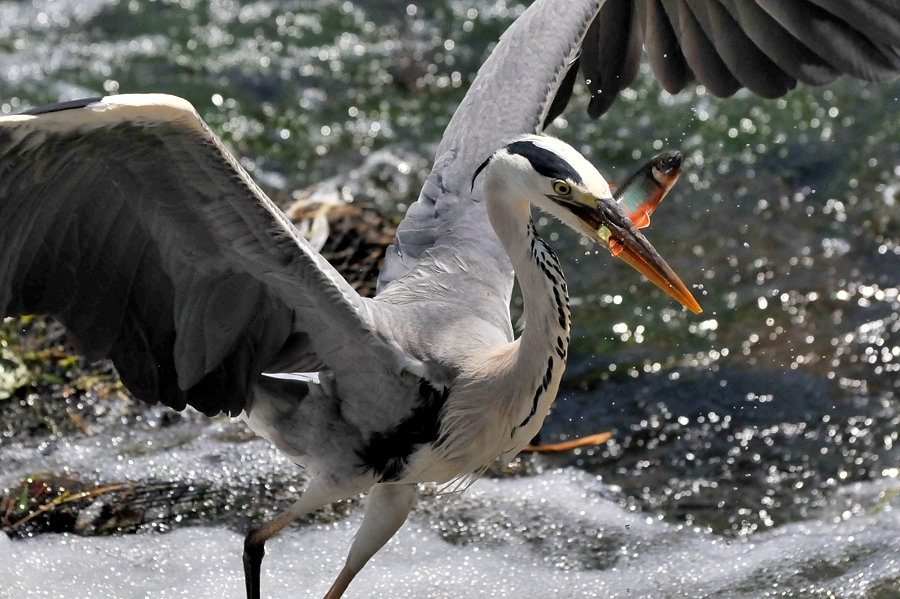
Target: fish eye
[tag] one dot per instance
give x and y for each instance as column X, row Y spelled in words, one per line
column 562, row 188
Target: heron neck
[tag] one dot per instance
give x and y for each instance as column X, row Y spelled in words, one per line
column 540, row 354
column 544, row 292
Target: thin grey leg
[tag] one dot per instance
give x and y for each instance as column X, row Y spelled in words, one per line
column 321, row 491
column 386, row 511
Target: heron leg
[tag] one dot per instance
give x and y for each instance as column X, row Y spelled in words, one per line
column 321, row 491
column 386, row 511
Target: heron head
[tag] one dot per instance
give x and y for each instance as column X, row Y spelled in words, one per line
column 556, row 178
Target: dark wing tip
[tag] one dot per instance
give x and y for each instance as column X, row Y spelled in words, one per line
column 564, row 93
column 763, row 45
column 82, row 103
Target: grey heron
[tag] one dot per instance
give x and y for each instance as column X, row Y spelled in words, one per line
column 126, row 218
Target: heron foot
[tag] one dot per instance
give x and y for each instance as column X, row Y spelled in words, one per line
column 254, row 550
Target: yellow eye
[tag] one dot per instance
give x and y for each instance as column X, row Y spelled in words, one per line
column 562, row 188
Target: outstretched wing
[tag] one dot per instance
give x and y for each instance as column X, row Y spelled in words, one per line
column 446, row 234
column 127, row 219
column 766, row 46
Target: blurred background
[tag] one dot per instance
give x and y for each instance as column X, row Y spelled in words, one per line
column 777, row 406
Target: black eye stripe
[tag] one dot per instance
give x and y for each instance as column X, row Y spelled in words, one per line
column 547, row 163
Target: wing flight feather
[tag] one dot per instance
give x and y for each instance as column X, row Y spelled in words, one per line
column 127, row 219
column 764, row 45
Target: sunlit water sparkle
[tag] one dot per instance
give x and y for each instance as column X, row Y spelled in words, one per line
column 637, row 555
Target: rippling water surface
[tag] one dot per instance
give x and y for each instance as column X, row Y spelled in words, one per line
column 754, row 448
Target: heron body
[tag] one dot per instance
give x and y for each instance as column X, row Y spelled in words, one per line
column 127, row 218
column 461, row 432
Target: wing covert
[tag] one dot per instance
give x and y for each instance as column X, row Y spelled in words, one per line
column 127, row 219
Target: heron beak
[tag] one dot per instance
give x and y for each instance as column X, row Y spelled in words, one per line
column 609, row 225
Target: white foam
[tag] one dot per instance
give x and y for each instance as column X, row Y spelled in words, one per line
column 650, row 558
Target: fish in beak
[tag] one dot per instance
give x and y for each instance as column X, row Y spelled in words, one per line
column 610, row 225
column 643, row 192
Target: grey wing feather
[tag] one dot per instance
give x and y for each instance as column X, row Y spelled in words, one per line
column 782, row 48
column 836, row 41
column 879, row 19
column 511, row 95
column 618, row 38
column 752, row 68
column 764, row 45
column 418, row 235
column 699, row 52
column 663, row 50
column 128, row 219
column 564, row 94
